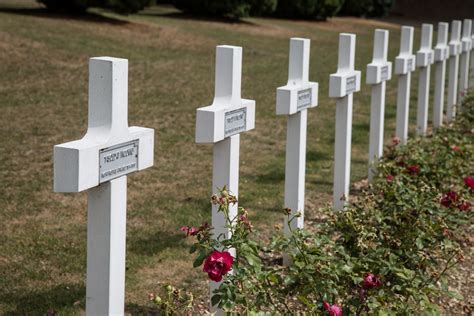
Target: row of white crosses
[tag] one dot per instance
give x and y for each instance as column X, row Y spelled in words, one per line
column 100, row 161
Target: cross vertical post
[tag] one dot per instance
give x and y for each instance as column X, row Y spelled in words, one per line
column 404, row 65
column 466, row 46
column 471, row 70
column 221, row 124
column 99, row 163
column 424, row 59
column 454, row 52
column 441, row 54
column 378, row 72
column 293, row 100
column 342, row 85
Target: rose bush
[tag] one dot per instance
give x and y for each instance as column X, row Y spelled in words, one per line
column 387, row 253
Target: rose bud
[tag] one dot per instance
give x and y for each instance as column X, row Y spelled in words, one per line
column 371, row 281
column 333, row 310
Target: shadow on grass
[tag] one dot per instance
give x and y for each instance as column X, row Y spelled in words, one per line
column 155, row 242
column 44, row 13
column 140, row 310
column 58, row 298
column 201, row 18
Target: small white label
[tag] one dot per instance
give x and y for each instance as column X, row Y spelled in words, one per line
column 304, row 99
column 235, row 122
column 430, row 58
column 350, row 84
column 384, row 73
column 118, row 160
column 410, row 64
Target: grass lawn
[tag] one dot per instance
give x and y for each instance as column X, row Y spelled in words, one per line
column 43, row 101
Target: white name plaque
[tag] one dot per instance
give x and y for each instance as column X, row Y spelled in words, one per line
column 304, row 99
column 384, row 73
column 118, row 160
column 350, row 84
column 235, row 122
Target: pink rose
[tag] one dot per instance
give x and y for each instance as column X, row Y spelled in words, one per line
column 469, row 181
column 189, row 230
column 455, row 148
column 218, row 264
column 390, row 178
column 333, row 310
column 371, row 281
column 396, row 141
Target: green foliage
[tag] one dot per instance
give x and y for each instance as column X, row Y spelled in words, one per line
column 80, row 6
column 367, row 8
column 309, row 9
column 407, row 230
column 262, row 7
column 233, row 9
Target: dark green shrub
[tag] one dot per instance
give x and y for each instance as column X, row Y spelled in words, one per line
column 309, row 9
column 262, row 7
column 80, row 6
column 367, row 8
column 234, row 9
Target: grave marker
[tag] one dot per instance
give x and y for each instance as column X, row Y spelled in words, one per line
column 441, row 54
column 293, row 100
column 342, row 85
column 378, row 71
column 466, row 43
column 221, row 124
column 472, row 57
column 404, row 65
column 454, row 52
column 424, row 59
column 99, row 163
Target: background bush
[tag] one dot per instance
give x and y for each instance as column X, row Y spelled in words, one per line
column 309, row 9
column 80, row 6
column 234, row 9
column 367, row 8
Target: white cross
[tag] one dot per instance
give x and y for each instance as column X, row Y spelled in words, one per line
column 378, row 72
column 466, row 42
column 404, row 65
column 472, row 57
column 424, row 59
column 99, row 163
column 221, row 124
column 342, row 85
column 293, row 100
column 454, row 52
column 441, row 54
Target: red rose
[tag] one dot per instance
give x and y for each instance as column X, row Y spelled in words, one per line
column 333, row 310
column 390, row 178
column 371, row 281
column 449, row 199
column 469, row 181
column 218, row 264
column 413, row 169
column 396, row 141
column 464, row 206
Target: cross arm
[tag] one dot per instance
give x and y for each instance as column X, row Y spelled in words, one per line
column 466, row 39
column 424, row 57
column 405, row 61
column 346, row 80
column 379, row 69
column 455, row 46
column 441, row 50
column 299, row 93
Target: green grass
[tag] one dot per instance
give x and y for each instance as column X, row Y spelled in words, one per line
column 43, row 99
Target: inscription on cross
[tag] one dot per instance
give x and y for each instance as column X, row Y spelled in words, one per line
column 342, row 85
column 424, row 59
column 404, row 65
column 99, row 163
column 441, row 54
column 378, row 71
column 221, row 124
column 293, row 100
column 455, row 49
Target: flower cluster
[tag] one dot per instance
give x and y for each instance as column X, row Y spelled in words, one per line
column 333, row 310
column 193, row 231
column 451, row 199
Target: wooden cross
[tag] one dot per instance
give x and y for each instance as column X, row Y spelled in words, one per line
column 378, row 72
column 404, row 65
column 342, row 85
column 99, row 163
column 221, row 124
column 424, row 59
